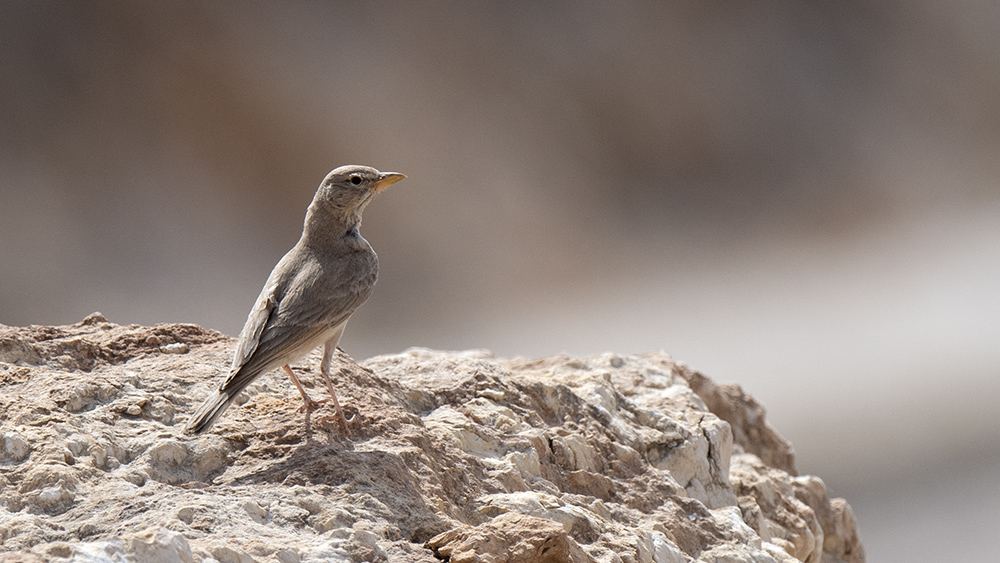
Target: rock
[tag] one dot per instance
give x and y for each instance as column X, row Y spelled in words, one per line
column 608, row 459
column 158, row 545
column 744, row 415
column 14, row 447
column 509, row 538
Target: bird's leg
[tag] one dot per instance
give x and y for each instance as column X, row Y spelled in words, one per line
column 324, row 368
column 309, row 403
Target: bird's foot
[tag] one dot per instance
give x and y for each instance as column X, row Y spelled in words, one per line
column 340, row 419
column 311, row 405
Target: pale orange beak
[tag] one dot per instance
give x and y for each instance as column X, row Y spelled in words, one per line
column 386, row 179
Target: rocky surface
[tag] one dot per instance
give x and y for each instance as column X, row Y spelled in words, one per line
column 453, row 455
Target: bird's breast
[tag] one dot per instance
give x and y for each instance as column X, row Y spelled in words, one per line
column 344, row 271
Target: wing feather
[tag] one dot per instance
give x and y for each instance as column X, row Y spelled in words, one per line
column 257, row 320
column 282, row 323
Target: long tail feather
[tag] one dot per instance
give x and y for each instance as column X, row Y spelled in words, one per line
column 209, row 411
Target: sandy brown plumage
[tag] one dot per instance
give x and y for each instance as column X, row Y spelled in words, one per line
column 311, row 293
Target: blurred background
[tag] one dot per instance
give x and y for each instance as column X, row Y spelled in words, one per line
column 798, row 197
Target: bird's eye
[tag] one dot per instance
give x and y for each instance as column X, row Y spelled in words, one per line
column 355, row 179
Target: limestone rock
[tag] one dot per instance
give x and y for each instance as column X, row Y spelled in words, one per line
column 509, row 538
column 608, row 459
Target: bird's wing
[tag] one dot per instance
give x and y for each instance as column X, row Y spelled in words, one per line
column 279, row 325
column 262, row 312
column 299, row 325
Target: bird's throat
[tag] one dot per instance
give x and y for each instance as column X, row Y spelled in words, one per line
column 324, row 224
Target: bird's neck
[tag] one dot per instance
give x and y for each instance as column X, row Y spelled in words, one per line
column 324, row 225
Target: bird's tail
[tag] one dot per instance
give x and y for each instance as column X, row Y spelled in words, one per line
column 209, row 411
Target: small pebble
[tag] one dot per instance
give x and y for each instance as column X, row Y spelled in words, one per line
column 14, row 447
column 288, row 556
column 186, row 514
column 255, row 511
column 133, row 410
column 175, row 348
column 137, row 478
column 491, row 394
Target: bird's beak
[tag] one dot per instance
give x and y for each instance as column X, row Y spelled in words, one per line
column 386, row 179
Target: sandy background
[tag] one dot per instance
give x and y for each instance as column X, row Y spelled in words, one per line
column 803, row 199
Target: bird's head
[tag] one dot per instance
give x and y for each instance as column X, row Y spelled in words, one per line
column 349, row 189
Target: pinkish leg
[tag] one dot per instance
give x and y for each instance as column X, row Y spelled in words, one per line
column 324, row 368
column 309, row 404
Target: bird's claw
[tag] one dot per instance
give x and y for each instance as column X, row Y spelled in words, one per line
column 341, row 420
column 310, row 405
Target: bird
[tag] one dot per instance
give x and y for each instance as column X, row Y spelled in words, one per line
column 310, row 295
